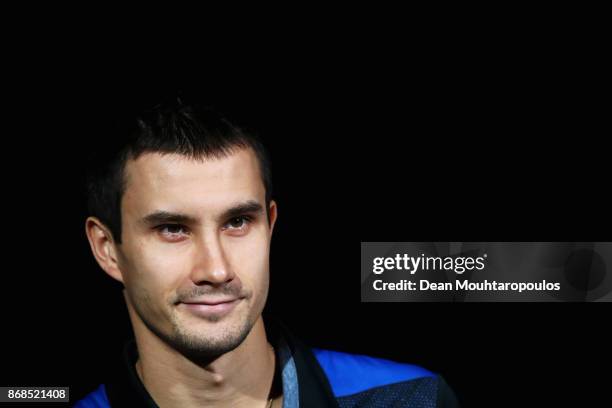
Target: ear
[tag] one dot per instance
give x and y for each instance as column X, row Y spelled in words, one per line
column 103, row 247
column 273, row 211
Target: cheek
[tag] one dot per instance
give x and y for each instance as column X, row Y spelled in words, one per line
column 154, row 272
column 249, row 259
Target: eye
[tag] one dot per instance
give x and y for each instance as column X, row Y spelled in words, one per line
column 240, row 222
column 171, row 231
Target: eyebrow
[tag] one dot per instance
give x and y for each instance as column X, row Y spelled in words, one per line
column 247, row 207
column 168, row 217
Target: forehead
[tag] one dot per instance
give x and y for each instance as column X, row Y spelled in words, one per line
column 175, row 182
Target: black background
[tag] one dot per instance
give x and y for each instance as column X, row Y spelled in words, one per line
column 505, row 146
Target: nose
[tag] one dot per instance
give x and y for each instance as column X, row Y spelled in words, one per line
column 211, row 265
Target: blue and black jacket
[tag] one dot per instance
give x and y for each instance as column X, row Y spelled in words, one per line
column 310, row 377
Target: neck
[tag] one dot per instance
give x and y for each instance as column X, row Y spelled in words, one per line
column 241, row 377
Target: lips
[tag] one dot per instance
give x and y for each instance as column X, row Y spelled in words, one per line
column 210, row 302
column 208, row 308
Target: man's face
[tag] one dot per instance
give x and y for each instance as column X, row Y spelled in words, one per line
column 195, row 233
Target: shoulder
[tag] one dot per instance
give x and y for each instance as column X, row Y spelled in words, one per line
column 364, row 381
column 95, row 399
column 352, row 373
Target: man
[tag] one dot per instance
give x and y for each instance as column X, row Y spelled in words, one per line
column 182, row 216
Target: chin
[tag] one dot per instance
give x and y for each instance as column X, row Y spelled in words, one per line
column 200, row 344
